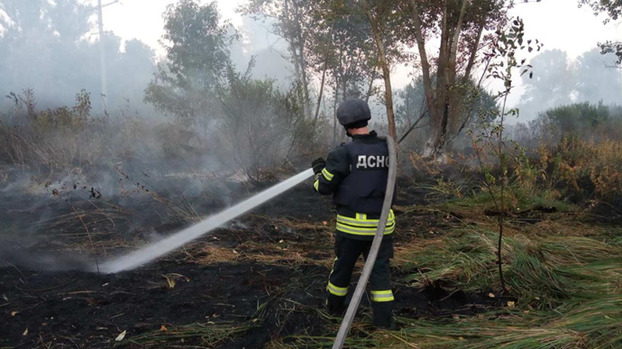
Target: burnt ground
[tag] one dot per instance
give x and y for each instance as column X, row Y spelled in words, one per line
column 260, row 278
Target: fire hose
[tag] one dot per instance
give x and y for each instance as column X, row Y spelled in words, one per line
column 373, row 251
column 151, row 252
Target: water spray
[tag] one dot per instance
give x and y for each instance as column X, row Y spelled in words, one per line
column 151, row 252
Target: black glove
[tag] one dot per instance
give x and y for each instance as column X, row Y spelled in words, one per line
column 318, row 165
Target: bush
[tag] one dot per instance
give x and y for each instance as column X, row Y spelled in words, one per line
column 262, row 125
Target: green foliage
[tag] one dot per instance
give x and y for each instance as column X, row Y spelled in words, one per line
column 262, row 124
column 543, row 271
column 197, row 61
column 344, row 44
column 291, row 20
column 579, row 120
column 612, row 7
column 612, row 47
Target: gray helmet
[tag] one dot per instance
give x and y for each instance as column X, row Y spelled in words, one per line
column 353, row 111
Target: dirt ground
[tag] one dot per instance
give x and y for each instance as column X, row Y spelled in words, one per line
column 260, row 278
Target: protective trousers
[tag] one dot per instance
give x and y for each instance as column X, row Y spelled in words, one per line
column 347, row 251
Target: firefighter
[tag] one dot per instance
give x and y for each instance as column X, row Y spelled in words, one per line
column 356, row 175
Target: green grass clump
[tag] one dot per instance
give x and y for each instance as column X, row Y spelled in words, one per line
column 594, row 324
column 466, row 261
column 516, row 199
column 546, row 271
column 540, row 271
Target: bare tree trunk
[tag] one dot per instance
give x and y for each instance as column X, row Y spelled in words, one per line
column 467, row 74
column 386, row 72
column 429, row 90
column 442, row 88
column 298, row 59
column 440, row 98
column 371, row 85
column 301, row 39
column 452, row 101
column 408, row 109
column 473, row 53
column 319, row 97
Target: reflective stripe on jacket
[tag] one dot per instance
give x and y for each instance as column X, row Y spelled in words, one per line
column 362, row 226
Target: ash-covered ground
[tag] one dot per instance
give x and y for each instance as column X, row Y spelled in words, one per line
column 259, row 278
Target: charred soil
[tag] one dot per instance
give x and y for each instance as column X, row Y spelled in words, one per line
column 260, row 278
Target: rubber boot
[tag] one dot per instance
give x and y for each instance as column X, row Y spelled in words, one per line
column 383, row 315
column 335, row 305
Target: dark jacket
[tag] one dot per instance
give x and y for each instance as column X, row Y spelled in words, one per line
column 356, row 174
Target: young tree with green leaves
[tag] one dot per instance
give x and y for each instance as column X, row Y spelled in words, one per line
column 363, row 46
column 292, row 23
column 197, row 58
column 460, row 25
column 380, row 15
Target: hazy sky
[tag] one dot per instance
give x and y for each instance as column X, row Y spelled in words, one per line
column 558, row 24
column 142, row 19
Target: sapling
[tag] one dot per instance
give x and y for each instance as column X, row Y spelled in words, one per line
column 503, row 66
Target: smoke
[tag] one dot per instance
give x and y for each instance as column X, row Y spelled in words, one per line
column 22, row 257
column 52, row 48
column 79, row 182
column 558, row 80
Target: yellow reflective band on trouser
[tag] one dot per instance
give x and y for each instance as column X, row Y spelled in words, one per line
column 329, row 176
column 361, row 225
column 336, row 290
column 316, row 185
column 382, row 296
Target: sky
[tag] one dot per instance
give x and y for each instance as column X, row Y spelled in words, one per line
column 559, row 24
column 142, row 19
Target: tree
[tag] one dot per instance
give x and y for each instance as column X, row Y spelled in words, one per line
column 595, row 81
column 557, row 81
column 361, row 45
column 410, row 103
column 197, row 58
column 292, row 19
column 460, row 26
column 613, row 8
column 577, row 120
column 261, row 124
column 379, row 16
column 44, row 47
column 40, row 48
column 551, row 85
column 411, row 107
